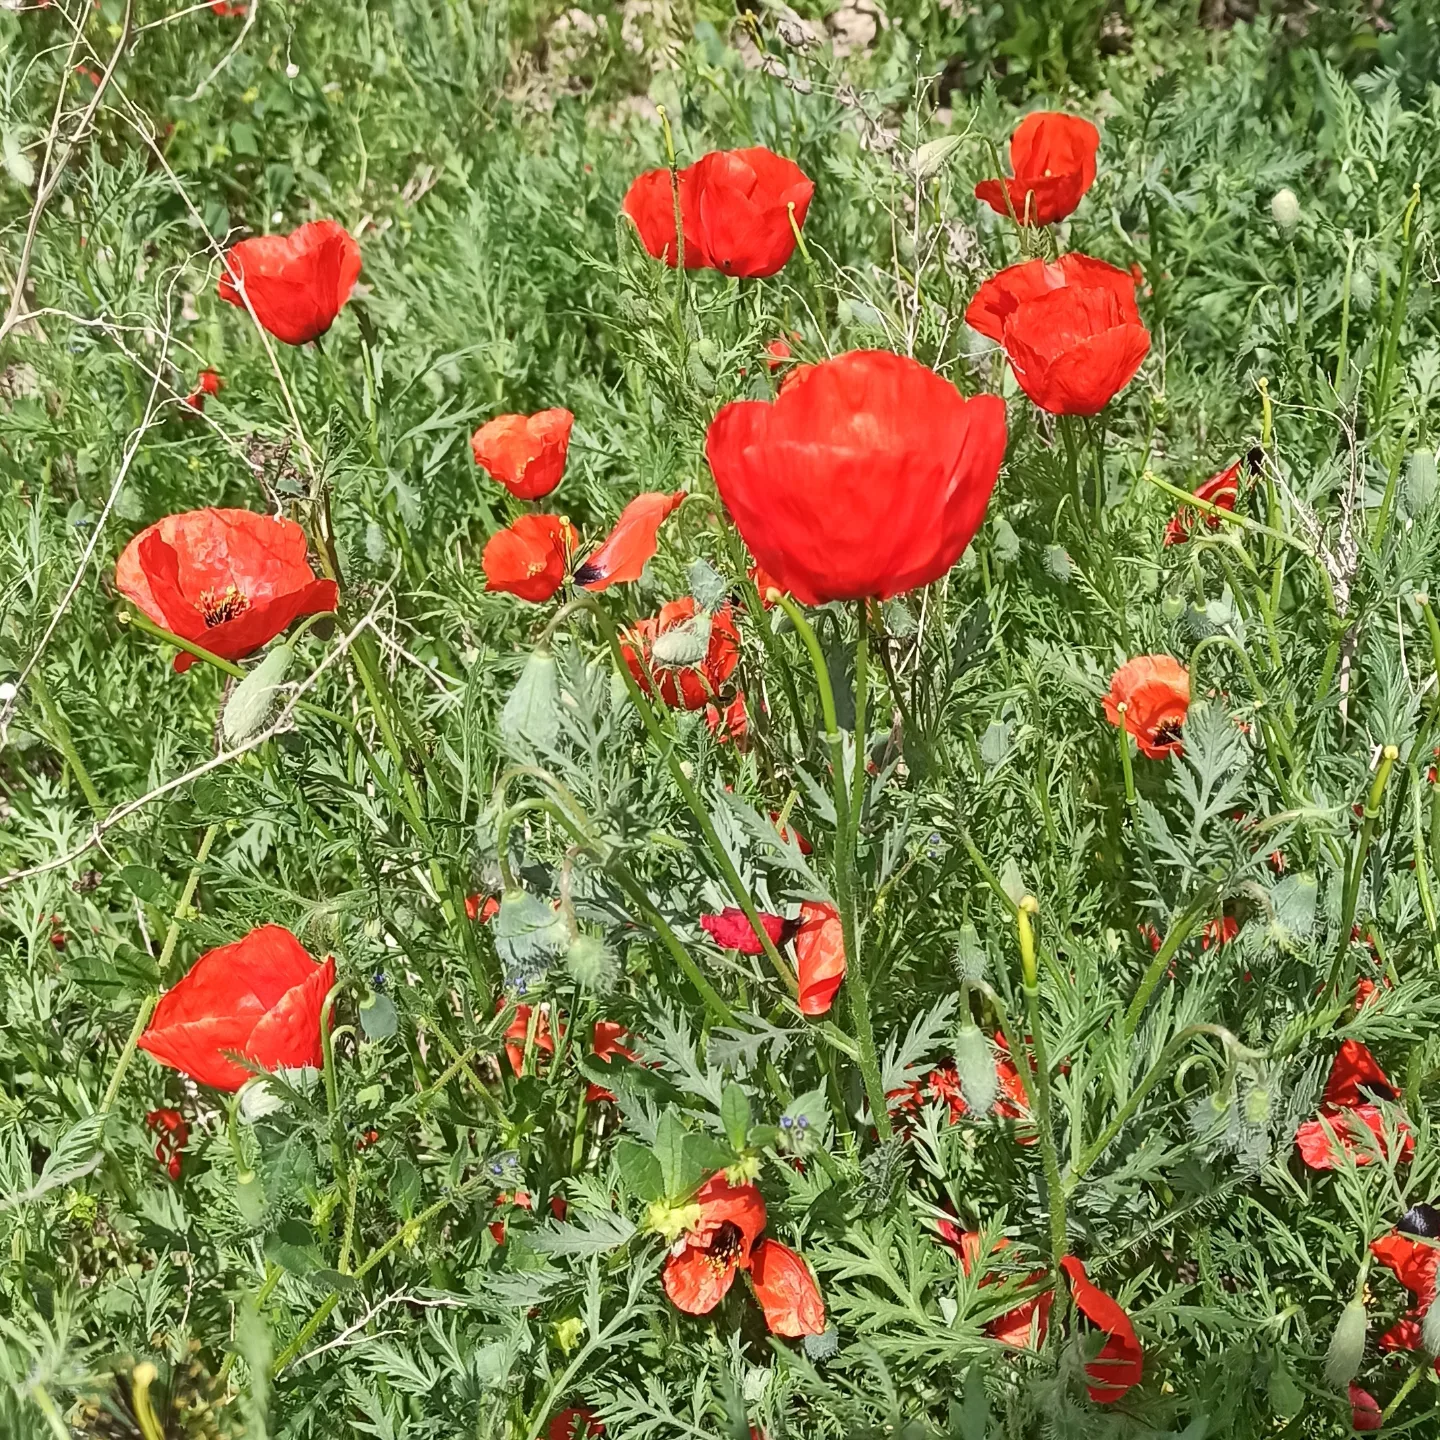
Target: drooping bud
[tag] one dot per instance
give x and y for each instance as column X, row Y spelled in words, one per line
column 1285, row 209
column 1347, row 1345
column 683, row 644
column 975, row 1065
column 1257, row 1106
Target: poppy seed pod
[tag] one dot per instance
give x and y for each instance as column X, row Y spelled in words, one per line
column 867, row 476
column 1347, row 1345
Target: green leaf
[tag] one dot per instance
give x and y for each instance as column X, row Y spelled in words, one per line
column 17, row 162
column 703, row 1155
column 532, row 713
column 378, row 1017
column 248, row 709
column 150, row 885
column 640, row 1169
column 707, row 586
column 292, row 1247
column 735, row 1115
column 670, row 1152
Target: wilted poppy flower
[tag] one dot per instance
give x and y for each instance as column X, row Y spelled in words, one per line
column 1150, row 695
column 867, row 475
column 1365, row 1411
column 525, row 453
column 703, row 1262
column 258, row 999
column 295, row 283
column 605, row 1045
column 732, row 931
column 819, row 956
column 206, row 383
column 1053, row 157
column 227, row 579
column 734, row 211
column 172, row 1135
column 1070, row 329
column 1121, row 1361
column 730, row 724
column 786, row 1290
column 1344, row 1108
column 692, row 685
column 519, row 1029
column 1221, row 491
column 574, row 1424
column 529, row 558
column 631, row 543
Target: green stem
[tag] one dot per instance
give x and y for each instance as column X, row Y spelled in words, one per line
column 1397, row 313
column 1422, row 866
column 47, row 1407
column 172, row 936
column 1122, row 737
column 1351, row 892
column 60, row 733
column 1177, row 936
column 1040, row 1068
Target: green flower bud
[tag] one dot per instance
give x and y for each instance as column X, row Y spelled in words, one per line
column 1285, row 209
column 975, row 1066
column 1347, row 1345
column 1430, row 1329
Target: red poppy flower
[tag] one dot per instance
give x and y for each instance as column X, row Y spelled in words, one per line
column 765, row 583
column 1070, row 329
column 1053, row 157
column 529, row 558
column 483, row 908
column 1365, row 1411
column 1412, row 1261
column 631, row 543
column 867, row 476
column 787, row 1291
column 819, row 956
column 605, row 1046
column 172, row 1135
column 226, row 10
column 690, row 686
column 1219, row 931
column 1023, row 1327
column 1155, row 691
column 734, row 211
column 1121, row 1361
column 519, row 1028
column 1354, row 1075
column 258, row 998
column 1221, row 491
column 206, row 383
column 778, row 351
column 559, row 1207
column 574, row 1424
column 296, row 283
column 703, row 1262
column 230, row 580
column 730, row 724
column 525, row 453
column 730, row 930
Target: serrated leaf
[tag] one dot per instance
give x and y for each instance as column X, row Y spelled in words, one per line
column 670, row 1152
column 640, row 1169
column 150, row 885
column 292, row 1247
column 589, row 1234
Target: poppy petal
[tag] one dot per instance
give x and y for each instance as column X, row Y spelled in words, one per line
column 1121, row 1362
column 630, row 544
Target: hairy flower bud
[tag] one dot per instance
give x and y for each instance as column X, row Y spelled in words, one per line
column 591, row 964
column 1285, row 209
column 1347, row 1345
column 969, row 956
column 975, row 1065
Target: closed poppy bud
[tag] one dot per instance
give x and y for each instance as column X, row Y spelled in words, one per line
column 229, row 580
column 819, row 956
column 296, row 283
column 529, row 558
column 787, row 1291
column 735, row 208
column 692, row 685
column 1347, row 1345
column 525, row 453
column 1285, row 210
column 975, row 1066
column 1053, row 157
column 867, row 476
column 258, row 998
column 1150, row 696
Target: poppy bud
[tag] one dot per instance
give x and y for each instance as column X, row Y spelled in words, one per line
column 1347, row 1345
column 1285, row 210
column 248, row 709
column 969, row 956
column 1172, row 606
column 1257, row 1106
column 682, row 644
column 590, row 963
column 975, row 1066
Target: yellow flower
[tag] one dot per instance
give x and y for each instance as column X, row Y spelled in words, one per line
column 568, row 1333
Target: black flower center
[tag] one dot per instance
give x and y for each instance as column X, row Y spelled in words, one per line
column 218, row 606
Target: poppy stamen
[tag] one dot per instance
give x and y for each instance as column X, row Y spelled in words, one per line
column 724, row 1250
column 1169, row 732
column 218, row 606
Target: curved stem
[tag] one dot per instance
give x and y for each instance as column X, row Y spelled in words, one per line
column 1176, row 937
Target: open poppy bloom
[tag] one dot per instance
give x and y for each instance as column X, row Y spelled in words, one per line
column 230, row 580
column 786, row 1290
column 172, row 1135
column 1344, row 1110
column 297, row 283
column 519, row 1029
column 1070, row 329
column 206, row 383
column 1150, row 696
column 1053, row 157
column 576, row 1423
column 694, row 685
column 734, row 211
column 1413, row 1262
column 605, row 1045
column 525, row 453
column 1221, row 491
column 529, row 558
column 730, row 930
column 1365, row 1411
column 703, row 1263
column 1023, row 1327
column 1121, row 1361
column 631, row 543
column 258, row 999
column 819, row 956
column 868, row 475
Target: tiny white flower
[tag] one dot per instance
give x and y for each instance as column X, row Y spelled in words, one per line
column 291, row 70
